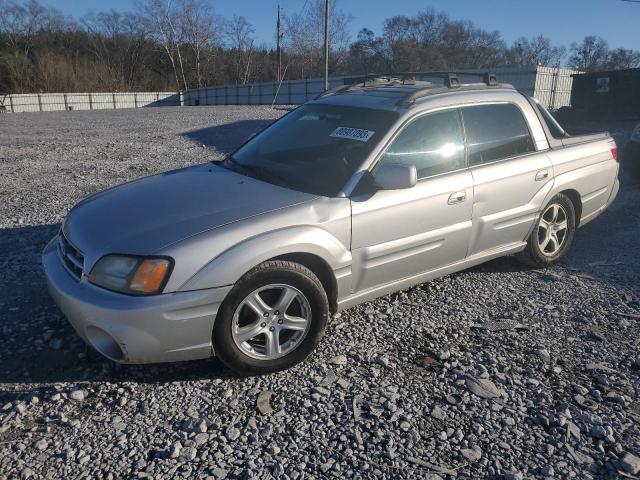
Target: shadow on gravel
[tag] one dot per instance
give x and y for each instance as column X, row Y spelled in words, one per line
column 605, row 250
column 501, row 265
column 40, row 347
column 226, row 138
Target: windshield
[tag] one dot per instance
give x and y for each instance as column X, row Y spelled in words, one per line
column 313, row 149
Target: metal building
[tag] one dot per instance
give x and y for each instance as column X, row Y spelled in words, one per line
column 610, row 94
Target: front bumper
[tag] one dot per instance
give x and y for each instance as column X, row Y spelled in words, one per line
column 128, row 329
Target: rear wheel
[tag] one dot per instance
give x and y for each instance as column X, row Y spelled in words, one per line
column 272, row 319
column 553, row 233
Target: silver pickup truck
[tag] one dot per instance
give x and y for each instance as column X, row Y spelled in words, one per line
column 368, row 189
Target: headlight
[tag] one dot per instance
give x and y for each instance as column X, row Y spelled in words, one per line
column 131, row 274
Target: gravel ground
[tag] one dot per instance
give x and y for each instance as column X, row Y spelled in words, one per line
column 495, row 372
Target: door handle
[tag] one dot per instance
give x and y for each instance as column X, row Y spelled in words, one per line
column 457, row 197
column 541, row 175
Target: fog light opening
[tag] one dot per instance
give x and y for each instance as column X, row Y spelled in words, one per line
column 104, row 343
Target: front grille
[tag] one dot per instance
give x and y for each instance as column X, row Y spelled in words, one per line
column 71, row 257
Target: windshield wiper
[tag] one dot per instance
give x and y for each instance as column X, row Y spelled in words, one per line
column 254, row 171
column 232, row 164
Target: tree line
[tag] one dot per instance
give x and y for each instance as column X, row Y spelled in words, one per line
column 181, row 44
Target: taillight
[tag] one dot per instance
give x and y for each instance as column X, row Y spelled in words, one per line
column 614, row 153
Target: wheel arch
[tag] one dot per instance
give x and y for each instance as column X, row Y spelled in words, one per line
column 321, row 269
column 576, row 200
column 312, row 247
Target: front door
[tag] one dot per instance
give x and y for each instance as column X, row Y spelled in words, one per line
column 401, row 233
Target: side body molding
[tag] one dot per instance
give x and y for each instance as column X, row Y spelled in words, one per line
column 234, row 262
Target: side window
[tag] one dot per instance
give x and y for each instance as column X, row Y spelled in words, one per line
column 554, row 127
column 495, row 132
column 433, row 143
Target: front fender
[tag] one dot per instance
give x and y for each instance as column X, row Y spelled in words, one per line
column 233, row 263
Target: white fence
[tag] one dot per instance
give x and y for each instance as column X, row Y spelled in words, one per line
column 48, row 102
column 551, row 86
column 291, row 92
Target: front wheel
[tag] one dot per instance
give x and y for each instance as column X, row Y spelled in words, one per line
column 552, row 234
column 272, row 319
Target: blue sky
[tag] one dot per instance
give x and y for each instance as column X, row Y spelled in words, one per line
column 563, row 21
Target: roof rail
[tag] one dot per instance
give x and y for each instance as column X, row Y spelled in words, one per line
column 488, row 78
column 373, row 78
column 450, row 80
column 334, row 90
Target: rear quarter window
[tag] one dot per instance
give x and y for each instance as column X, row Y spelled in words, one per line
column 495, row 132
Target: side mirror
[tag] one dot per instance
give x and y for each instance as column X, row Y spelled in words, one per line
column 395, row 176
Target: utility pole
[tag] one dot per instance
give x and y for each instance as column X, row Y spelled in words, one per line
column 279, row 49
column 326, row 45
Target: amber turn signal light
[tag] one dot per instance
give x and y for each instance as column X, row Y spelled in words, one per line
column 150, row 275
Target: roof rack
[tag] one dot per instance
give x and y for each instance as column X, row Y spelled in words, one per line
column 450, row 77
column 368, row 80
column 450, row 81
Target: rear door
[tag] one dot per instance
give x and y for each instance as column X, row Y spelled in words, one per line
column 400, row 233
column 511, row 176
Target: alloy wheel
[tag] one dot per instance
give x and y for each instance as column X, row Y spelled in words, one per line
column 552, row 229
column 271, row 321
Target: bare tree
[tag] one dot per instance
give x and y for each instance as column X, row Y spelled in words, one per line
column 431, row 41
column 622, row 58
column 198, row 25
column 22, row 26
column 535, row 51
column 368, row 51
column 181, row 44
column 21, row 23
column 118, row 41
column 163, row 18
column 239, row 35
column 590, row 55
column 304, row 37
column 398, row 29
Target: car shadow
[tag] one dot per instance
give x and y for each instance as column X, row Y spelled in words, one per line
column 607, row 249
column 39, row 345
column 227, row 137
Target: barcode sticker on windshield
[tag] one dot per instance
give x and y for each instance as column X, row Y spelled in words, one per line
column 359, row 134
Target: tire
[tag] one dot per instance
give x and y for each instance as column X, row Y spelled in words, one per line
column 540, row 251
column 242, row 314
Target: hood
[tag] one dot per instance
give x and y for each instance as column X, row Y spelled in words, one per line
column 145, row 215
